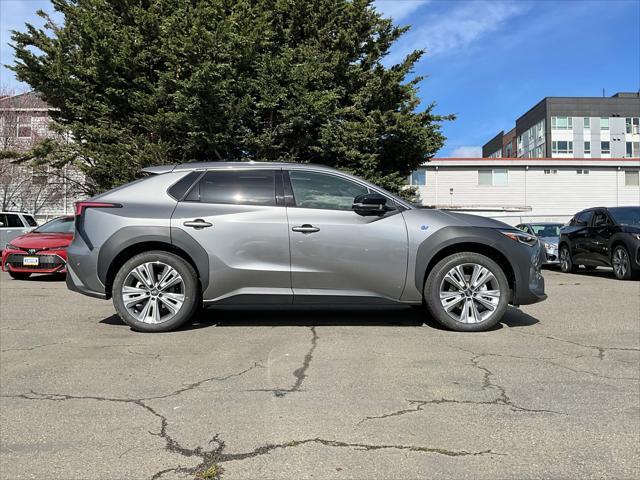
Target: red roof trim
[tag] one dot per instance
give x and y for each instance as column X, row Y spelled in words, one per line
column 524, row 160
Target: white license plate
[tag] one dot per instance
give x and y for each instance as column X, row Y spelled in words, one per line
column 30, row 261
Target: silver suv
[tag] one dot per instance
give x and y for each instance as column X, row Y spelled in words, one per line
column 245, row 233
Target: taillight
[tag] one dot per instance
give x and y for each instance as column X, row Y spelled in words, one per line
column 82, row 206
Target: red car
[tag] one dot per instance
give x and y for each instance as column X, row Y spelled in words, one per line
column 43, row 250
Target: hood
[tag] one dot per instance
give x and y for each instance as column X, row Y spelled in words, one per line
column 631, row 228
column 43, row 240
column 464, row 219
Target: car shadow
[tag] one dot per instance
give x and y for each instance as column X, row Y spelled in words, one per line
column 44, row 277
column 305, row 316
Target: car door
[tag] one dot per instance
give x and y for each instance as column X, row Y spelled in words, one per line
column 600, row 234
column 579, row 236
column 234, row 216
column 336, row 252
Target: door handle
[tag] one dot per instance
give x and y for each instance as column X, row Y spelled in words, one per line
column 197, row 223
column 306, row 228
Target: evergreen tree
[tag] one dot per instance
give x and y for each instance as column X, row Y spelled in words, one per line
column 148, row 82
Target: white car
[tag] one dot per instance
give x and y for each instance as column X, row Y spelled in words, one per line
column 14, row 224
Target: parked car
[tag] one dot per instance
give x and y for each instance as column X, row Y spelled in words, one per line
column 249, row 232
column 14, row 224
column 603, row 237
column 549, row 235
column 41, row 251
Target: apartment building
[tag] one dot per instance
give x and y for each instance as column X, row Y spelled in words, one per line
column 527, row 189
column 575, row 127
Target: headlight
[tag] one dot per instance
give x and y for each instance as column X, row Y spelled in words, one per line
column 521, row 237
column 8, row 246
column 637, row 235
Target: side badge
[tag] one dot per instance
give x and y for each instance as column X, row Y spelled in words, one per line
column 424, row 227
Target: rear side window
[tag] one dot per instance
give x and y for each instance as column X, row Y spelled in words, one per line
column 178, row 189
column 255, row 187
column 30, row 220
column 10, row 220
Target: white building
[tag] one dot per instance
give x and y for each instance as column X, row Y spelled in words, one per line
column 528, row 189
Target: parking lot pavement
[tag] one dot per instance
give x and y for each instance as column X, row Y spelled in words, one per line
column 245, row 394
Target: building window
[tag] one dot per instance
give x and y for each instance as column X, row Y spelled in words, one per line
column 604, row 123
column 633, row 125
column 605, row 147
column 587, row 147
column 561, row 123
column 629, row 149
column 551, row 172
column 419, row 177
column 561, row 146
column 582, row 172
column 632, row 178
column 586, row 123
column 24, row 127
column 538, row 152
column 497, row 177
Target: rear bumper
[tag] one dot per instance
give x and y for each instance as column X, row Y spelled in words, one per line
column 75, row 285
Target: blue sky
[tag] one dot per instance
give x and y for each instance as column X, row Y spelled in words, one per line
column 487, row 61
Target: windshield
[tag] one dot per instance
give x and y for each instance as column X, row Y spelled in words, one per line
column 57, row 225
column 626, row 215
column 548, row 230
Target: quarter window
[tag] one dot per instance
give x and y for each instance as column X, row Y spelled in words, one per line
column 252, row 187
column 30, row 220
column 324, row 191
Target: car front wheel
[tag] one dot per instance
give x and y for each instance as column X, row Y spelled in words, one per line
column 467, row 292
column 620, row 263
column 566, row 262
column 156, row 292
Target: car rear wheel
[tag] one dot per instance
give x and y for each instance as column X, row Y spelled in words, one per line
column 19, row 275
column 620, row 263
column 467, row 292
column 566, row 262
column 156, row 292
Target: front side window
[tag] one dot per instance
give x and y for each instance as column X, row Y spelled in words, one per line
column 605, row 147
column 11, row 220
column 582, row 218
column 324, row 191
column 242, row 187
column 600, row 219
column 604, row 123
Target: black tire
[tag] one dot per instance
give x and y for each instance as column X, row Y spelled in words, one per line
column 191, row 293
column 566, row 261
column 19, row 275
column 620, row 258
column 435, row 280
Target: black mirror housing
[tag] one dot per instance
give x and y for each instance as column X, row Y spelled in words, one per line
column 370, row 204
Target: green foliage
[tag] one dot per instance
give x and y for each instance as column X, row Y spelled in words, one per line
column 148, row 82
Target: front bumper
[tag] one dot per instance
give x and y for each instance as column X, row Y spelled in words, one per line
column 551, row 256
column 49, row 261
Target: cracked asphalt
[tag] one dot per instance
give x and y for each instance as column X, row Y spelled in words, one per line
column 277, row 394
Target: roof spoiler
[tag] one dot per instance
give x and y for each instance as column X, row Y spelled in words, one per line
column 159, row 170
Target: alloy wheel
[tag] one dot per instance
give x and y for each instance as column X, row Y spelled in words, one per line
column 620, row 262
column 469, row 293
column 153, row 292
column 564, row 259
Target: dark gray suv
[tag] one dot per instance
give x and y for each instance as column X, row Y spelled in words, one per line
column 203, row 233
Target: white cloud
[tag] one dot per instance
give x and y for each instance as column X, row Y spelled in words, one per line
column 467, row 152
column 454, row 30
column 398, row 9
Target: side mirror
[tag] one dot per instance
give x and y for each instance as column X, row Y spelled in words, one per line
column 371, row 204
